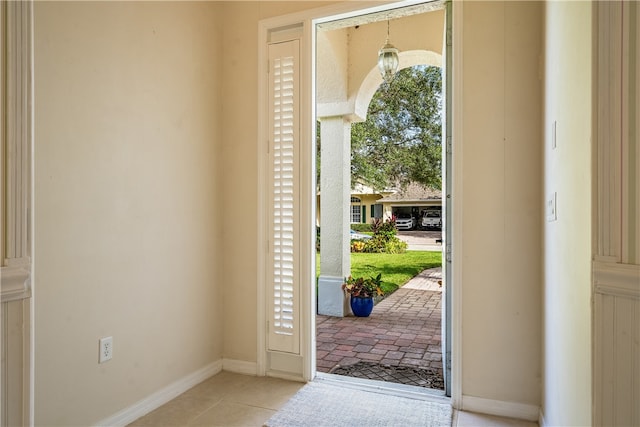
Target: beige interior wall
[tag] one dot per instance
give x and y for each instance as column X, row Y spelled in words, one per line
column 567, row 246
column 240, row 134
column 502, row 203
column 128, row 195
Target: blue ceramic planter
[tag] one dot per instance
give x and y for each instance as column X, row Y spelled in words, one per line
column 361, row 307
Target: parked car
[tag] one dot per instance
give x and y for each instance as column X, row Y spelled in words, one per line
column 358, row 236
column 431, row 219
column 405, row 221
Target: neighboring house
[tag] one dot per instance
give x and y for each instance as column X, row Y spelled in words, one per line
column 414, row 200
column 367, row 203
column 364, row 204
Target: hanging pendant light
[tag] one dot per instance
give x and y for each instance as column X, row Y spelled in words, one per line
column 388, row 59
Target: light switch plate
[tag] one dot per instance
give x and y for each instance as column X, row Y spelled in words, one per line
column 551, row 211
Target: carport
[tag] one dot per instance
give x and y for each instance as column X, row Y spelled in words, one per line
column 413, row 199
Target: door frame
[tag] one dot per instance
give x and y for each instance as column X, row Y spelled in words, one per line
column 308, row 20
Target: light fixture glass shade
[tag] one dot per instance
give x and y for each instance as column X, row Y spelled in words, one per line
column 388, row 61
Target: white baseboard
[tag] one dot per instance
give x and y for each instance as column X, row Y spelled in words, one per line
column 501, row 408
column 240, row 367
column 541, row 421
column 160, row 397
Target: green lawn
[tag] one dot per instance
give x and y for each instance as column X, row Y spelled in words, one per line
column 396, row 269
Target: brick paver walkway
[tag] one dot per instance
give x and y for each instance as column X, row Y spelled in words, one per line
column 403, row 329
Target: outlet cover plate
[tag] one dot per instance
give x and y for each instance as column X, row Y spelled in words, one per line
column 106, row 349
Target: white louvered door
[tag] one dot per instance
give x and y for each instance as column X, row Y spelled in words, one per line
column 283, row 292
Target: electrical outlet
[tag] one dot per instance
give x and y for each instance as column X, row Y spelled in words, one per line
column 106, row 349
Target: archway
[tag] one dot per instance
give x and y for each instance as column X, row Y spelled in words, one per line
column 372, row 81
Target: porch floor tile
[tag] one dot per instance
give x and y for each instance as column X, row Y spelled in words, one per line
column 404, row 329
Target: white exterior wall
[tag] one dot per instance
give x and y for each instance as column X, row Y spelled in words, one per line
column 332, row 68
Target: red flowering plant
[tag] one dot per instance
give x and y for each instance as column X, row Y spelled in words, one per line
column 364, row 288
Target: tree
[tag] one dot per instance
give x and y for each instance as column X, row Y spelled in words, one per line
column 401, row 140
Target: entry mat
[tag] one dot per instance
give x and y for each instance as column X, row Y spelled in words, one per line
column 333, row 405
column 410, row 375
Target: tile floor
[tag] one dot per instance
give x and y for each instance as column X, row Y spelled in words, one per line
column 229, row 399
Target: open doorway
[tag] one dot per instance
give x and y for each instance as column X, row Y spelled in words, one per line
column 406, row 338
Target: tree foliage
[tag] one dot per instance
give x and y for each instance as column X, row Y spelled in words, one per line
column 401, row 140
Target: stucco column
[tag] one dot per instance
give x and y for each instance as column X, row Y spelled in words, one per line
column 335, row 193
